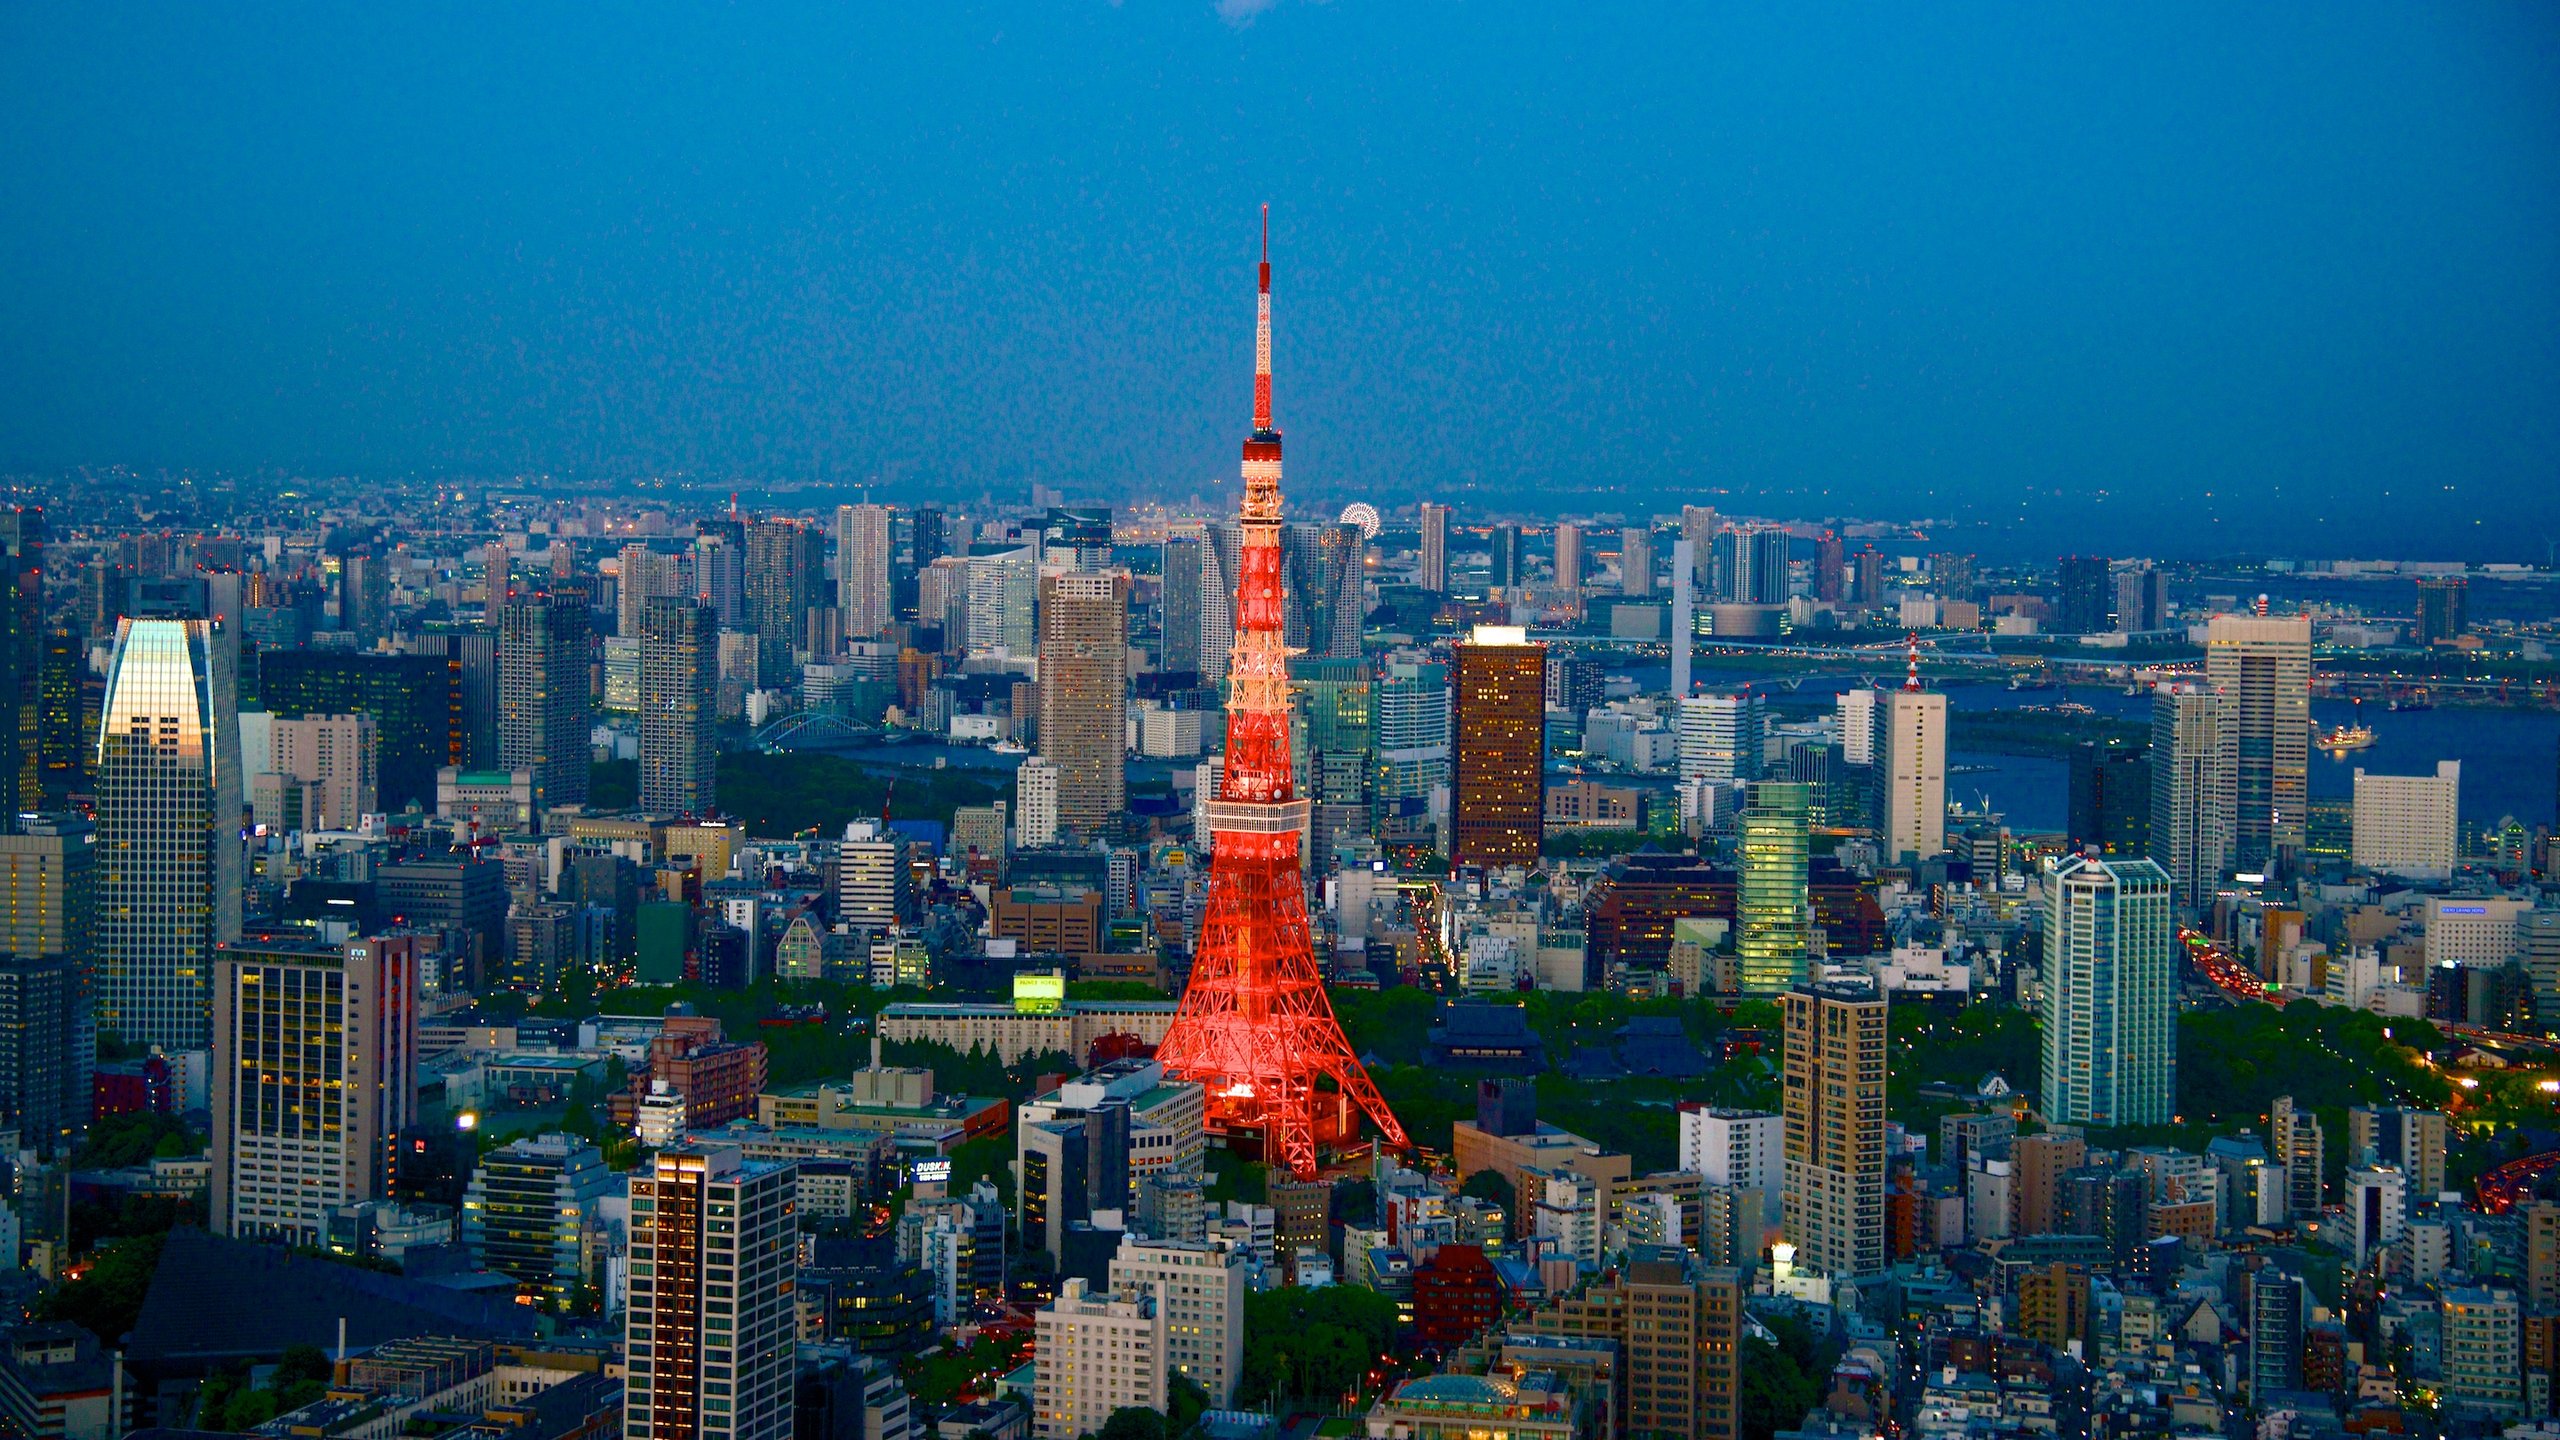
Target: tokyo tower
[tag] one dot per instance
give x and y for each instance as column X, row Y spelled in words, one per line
column 1254, row 1027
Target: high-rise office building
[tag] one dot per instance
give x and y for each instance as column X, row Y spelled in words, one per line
column 417, row 702
column 2301, row 1149
column 1002, row 600
column 364, row 595
column 1333, row 751
column 528, row 1212
column 784, row 579
column 22, row 657
column 710, row 1328
column 1835, row 1162
column 1911, row 773
column 315, row 1074
column 1498, row 768
column 1503, row 560
column 1199, row 1295
column 1720, row 735
column 1683, row 625
column 2190, row 831
column 2142, row 600
column 1774, row 910
column 1830, row 568
column 2408, row 825
column 2110, row 799
column 1434, row 575
column 544, row 718
column 647, row 573
column 1569, row 562
column 66, row 720
column 470, row 655
column 1084, row 694
column 1321, row 601
column 2444, row 609
column 168, row 831
column 2088, row 594
column 336, row 757
column 48, row 888
column 1635, row 562
column 679, row 707
column 1676, row 1326
column 1700, row 525
column 2110, row 994
column 2261, row 665
column 46, row 1049
column 864, row 559
column 1856, row 711
column 1413, row 731
column 1760, row 566
column 1180, row 606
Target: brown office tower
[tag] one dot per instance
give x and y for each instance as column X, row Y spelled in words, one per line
column 1084, row 688
column 714, row 1258
column 786, row 573
column 1499, row 800
column 1678, row 1324
column 1835, row 1170
column 2040, row 1162
column 679, row 683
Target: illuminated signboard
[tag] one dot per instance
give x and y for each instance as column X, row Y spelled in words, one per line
column 1039, row 994
column 933, row 1172
column 2464, row 910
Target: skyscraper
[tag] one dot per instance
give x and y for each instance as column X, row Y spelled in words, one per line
column 785, row 574
column 710, row 1326
column 2142, row 599
column 863, row 564
column 1498, row 804
column 1084, row 693
column 2190, row 831
column 336, row 757
column 2261, row 665
column 1911, row 770
column 2409, row 825
column 645, row 574
column 1322, row 603
column 1569, row 563
column 364, row 595
column 1435, row 548
column 1700, row 525
column 1413, row 731
column 46, row 1048
column 2087, row 594
column 2110, row 994
column 421, row 723
column 527, row 1212
column 1835, row 1165
column 1503, row 548
column 1180, row 606
column 1683, row 626
column 22, row 657
column 1774, row 908
column 679, row 703
column 2110, row 798
column 315, row 1073
column 1830, row 579
column 1635, row 561
column 168, row 830
column 1199, row 1295
column 1035, row 803
column 543, row 714
column 66, row 725
column 1336, row 740
column 1719, row 735
column 2444, row 609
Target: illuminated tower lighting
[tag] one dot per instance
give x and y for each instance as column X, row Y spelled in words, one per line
column 1255, row 1028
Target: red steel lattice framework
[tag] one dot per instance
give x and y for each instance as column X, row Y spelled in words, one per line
column 1254, row 1027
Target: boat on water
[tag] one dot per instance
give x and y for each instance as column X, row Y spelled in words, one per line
column 2413, row 702
column 1008, row 747
column 2342, row 739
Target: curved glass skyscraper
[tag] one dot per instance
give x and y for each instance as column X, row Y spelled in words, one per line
column 168, row 847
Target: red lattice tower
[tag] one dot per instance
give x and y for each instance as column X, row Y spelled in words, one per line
column 1255, row 1028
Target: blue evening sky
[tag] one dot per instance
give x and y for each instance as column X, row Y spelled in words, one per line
column 2172, row 277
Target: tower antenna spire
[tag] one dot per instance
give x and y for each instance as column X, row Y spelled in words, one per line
column 1262, row 336
column 1911, row 677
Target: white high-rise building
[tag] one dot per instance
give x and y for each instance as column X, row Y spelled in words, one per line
column 1857, row 712
column 1635, row 561
column 1684, row 625
column 1096, row 1353
column 1720, row 736
column 1003, row 602
column 2407, row 824
column 2110, row 994
column 710, row 1327
column 871, row 882
column 2377, row 1208
column 2474, row 929
column 2190, row 828
column 1569, row 562
column 1434, row 575
column 1199, row 1295
column 2261, row 666
column 1741, row 1148
column 1035, row 802
column 1911, row 772
column 862, row 569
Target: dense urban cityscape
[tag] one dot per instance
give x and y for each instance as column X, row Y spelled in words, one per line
column 743, row 952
